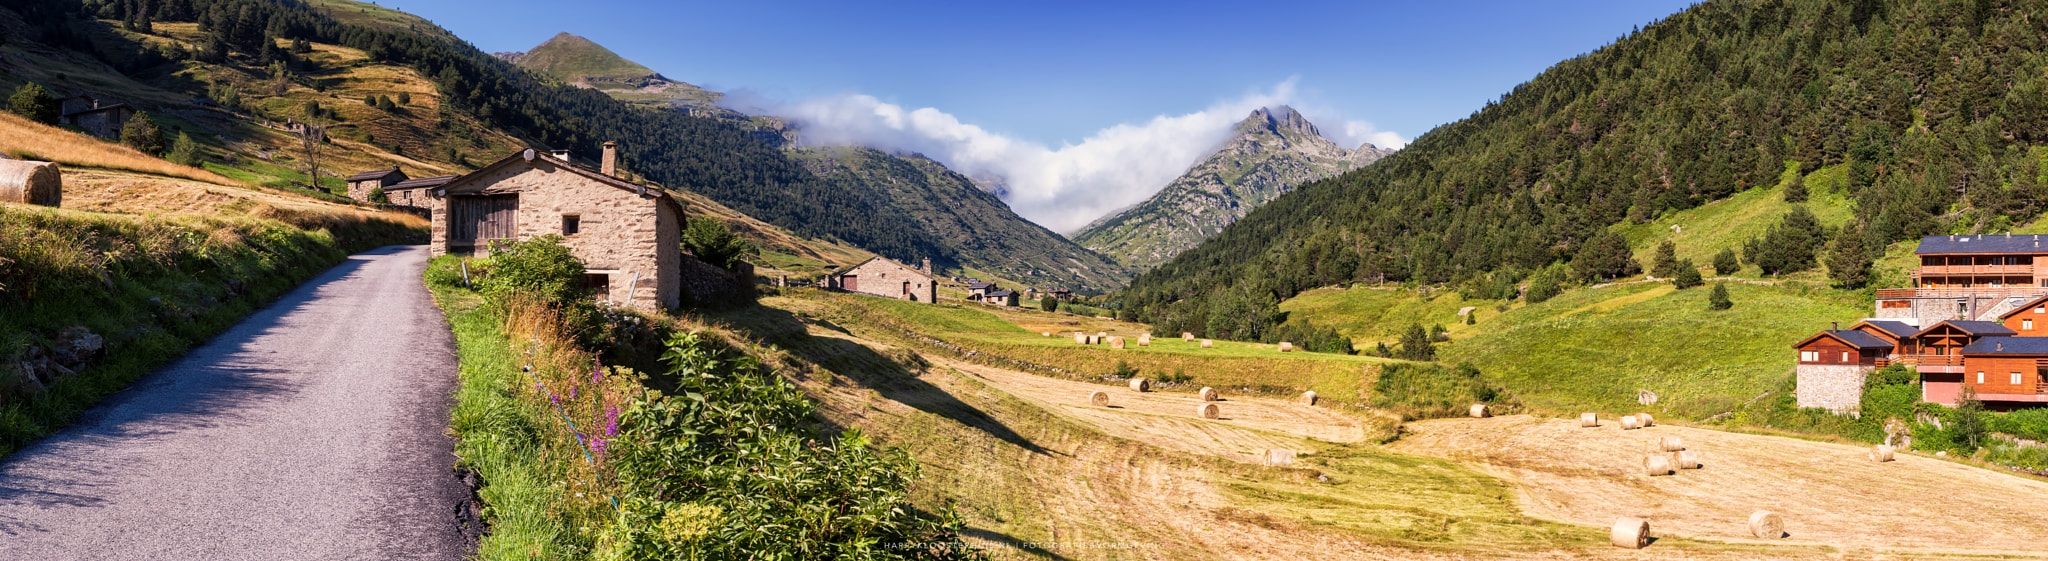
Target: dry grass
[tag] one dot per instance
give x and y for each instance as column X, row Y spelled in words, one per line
column 27, row 139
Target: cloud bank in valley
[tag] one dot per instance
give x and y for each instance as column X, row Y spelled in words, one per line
column 1061, row 188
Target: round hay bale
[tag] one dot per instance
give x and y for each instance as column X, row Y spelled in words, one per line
column 1208, row 411
column 1093, row 340
column 1141, row 385
column 1881, row 453
column 1629, row 423
column 34, row 183
column 1646, row 420
column 1080, row 339
column 1209, row 394
column 1670, row 444
column 1187, row 336
column 1479, row 411
column 1687, row 459
column 1116, row 342
column 1279, row 458
column 1208, row 343
column 1308, row 398
column 1630, row 533
column 1047, row 334
column 1102, row 334
column 1145, row 340
column 1588, row 420
column 1767, row 525
column 1099, row 398
column 1286, row 347
column 1657, row 464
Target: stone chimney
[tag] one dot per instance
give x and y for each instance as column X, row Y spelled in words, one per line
column 610, row 166
column 927, row 266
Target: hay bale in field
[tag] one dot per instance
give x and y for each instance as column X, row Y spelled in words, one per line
column 1646, row 420
column 1209, row 394
column 1588, row 420
column 1479, row 411
column 34, row 183
column 1670, row 444
column 1116, row 342
column 1093, row 340
column 1308, row 398
column 1080, row 339
column 1187, row 336
column 1208, row 343
column 1630, row 533
column 1099, row 398
column 1687, row 459
column 1767, row 525
column 1141, row 385
column 1208, row 411
column 1102, row 334
column 1881, row 453
column 1047, row 334
column 1657, row 464
column 1145, row 340
column 1286, row 347
column 1279, row 458
column 1629, row 423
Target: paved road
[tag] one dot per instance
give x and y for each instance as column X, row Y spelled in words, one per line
column 315, row 429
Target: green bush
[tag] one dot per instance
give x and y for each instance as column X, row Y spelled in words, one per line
column 32, row 101
column 2030, row 424
column 1423, row 391
column 1049, row 304
column 141, row 133
column 712, row 242
column 540, row 265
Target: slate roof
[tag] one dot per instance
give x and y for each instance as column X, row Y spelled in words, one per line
column 1854, row 338
column 435, row 181
column 2008, row 346
column 1978, row 328
column 2006, row 244
column 372, row 174
column 981, row 285
column 99, row 109
column 1000, row 293
column 1896, row 328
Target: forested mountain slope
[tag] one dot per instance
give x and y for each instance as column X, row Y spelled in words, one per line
column 1936, row 109
column 1270, row 151
column 976, row 226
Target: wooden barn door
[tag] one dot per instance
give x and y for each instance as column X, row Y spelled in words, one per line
column 478, row 220
column 849, row 283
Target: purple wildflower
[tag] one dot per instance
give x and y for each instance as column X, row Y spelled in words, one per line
column 555, row 399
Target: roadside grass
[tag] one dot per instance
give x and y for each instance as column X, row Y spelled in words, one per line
column 25, row 139
column 151, row 287
column 1594, row 348
column 1706, row 230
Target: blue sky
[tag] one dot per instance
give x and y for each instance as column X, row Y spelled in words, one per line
column 1019, row 84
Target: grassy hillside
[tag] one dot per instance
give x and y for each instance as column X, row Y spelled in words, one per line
column 570, row 58
column 1701, row 232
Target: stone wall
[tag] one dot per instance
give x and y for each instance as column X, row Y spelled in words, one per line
column 1836, row 387
column 360, row 190
column 707, row 286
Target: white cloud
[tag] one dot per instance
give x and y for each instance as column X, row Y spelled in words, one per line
column 1062, row 189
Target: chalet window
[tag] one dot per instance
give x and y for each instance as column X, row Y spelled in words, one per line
column 1980, row 376
column 571, row 224
column 1845, row 356
column 2015, row 378
column 1809, row 356
column 2041, row 309
column 2026, row 324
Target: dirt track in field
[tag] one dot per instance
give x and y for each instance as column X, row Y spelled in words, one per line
column 1245, row 429
column 1829, row 494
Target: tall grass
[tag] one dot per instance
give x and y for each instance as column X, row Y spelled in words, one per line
column 22, row 138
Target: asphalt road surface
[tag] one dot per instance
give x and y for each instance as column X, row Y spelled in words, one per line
column 315, row 429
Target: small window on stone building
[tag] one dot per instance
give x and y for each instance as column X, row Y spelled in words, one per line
column 571, row 224
column 598, row 286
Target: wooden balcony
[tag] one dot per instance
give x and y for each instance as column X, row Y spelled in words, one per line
column 1929, row 360
column 1973, row 271
column 1986, row 292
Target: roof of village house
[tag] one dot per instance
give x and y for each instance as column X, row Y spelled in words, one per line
column 1000, row 293
column 2038, row 301
column 530, row 155
column 1858, row 339
column 100, row 108
column 887, row 260
column 372, row 174
column 980, row 285
column 1978, row 328
column 2004, row 244
column 435, row 181
column 2008, row 346
column 1895, row 328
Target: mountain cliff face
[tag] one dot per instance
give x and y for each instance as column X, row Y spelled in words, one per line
column 978, row 229
column 1272, row 150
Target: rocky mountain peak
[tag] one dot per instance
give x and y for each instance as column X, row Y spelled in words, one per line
column 1277, row 119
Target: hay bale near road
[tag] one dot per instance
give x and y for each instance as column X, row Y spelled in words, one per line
column 1687, row 459
column 1187, row 336
column 1141, row 385
column 1881, row 453
column 1279, row 458
column 1670, row 444
column 1209, row 411
column 1099, row 398
column 1646, row 420
column 1630, row 423
column 1656, row 465
column 1630, row 533
column 1116, row 342
column 1209, row 394
column 1479, row 411
column 1308, row 398
column 32, row 183
column 1286, row 347
column 1588, row 420
column 1208, row 343
column 1767, row 525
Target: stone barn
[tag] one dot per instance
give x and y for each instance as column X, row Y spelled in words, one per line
column 881, row 277
column 629, row 236
column 103, row 122
column 360, row 185
column 413, row 192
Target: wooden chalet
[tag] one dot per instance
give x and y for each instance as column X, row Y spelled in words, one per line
column 2028, row 319
column 1890, row 331
column 1844, row 346
column 2002, row 371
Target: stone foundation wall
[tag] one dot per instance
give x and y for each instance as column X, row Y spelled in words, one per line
column 706, row 286
column 1835, row 387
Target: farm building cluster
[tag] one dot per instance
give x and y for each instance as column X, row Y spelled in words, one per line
column 1976, row 319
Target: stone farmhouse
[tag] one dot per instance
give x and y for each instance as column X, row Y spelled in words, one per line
column 627, row 235
column 1001, row 298
column 85, row 112
column 978, row 290
column 1976, row 318
column 413, row 192
column 360, row 185
column 880, row 276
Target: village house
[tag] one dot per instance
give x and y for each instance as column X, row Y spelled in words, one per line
column 880, row 276
column 2004, row 372
column 627, row 235
column 85, row 112
column 1059, row 295
column 1001, row 298
column 360, row 185
column 413, row 192
column 979, row 290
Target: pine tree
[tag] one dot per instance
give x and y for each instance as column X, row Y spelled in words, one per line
column 1606, row 256
column 141, row 133
column 1688, row 275
column 32, row 101
column 1718, row 299
column 1725, row 263
column 1666, row 263
column 1415, row 344
column 1795, row 192
column 1848, row 262
column 1543, row 286
column 184, row 150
